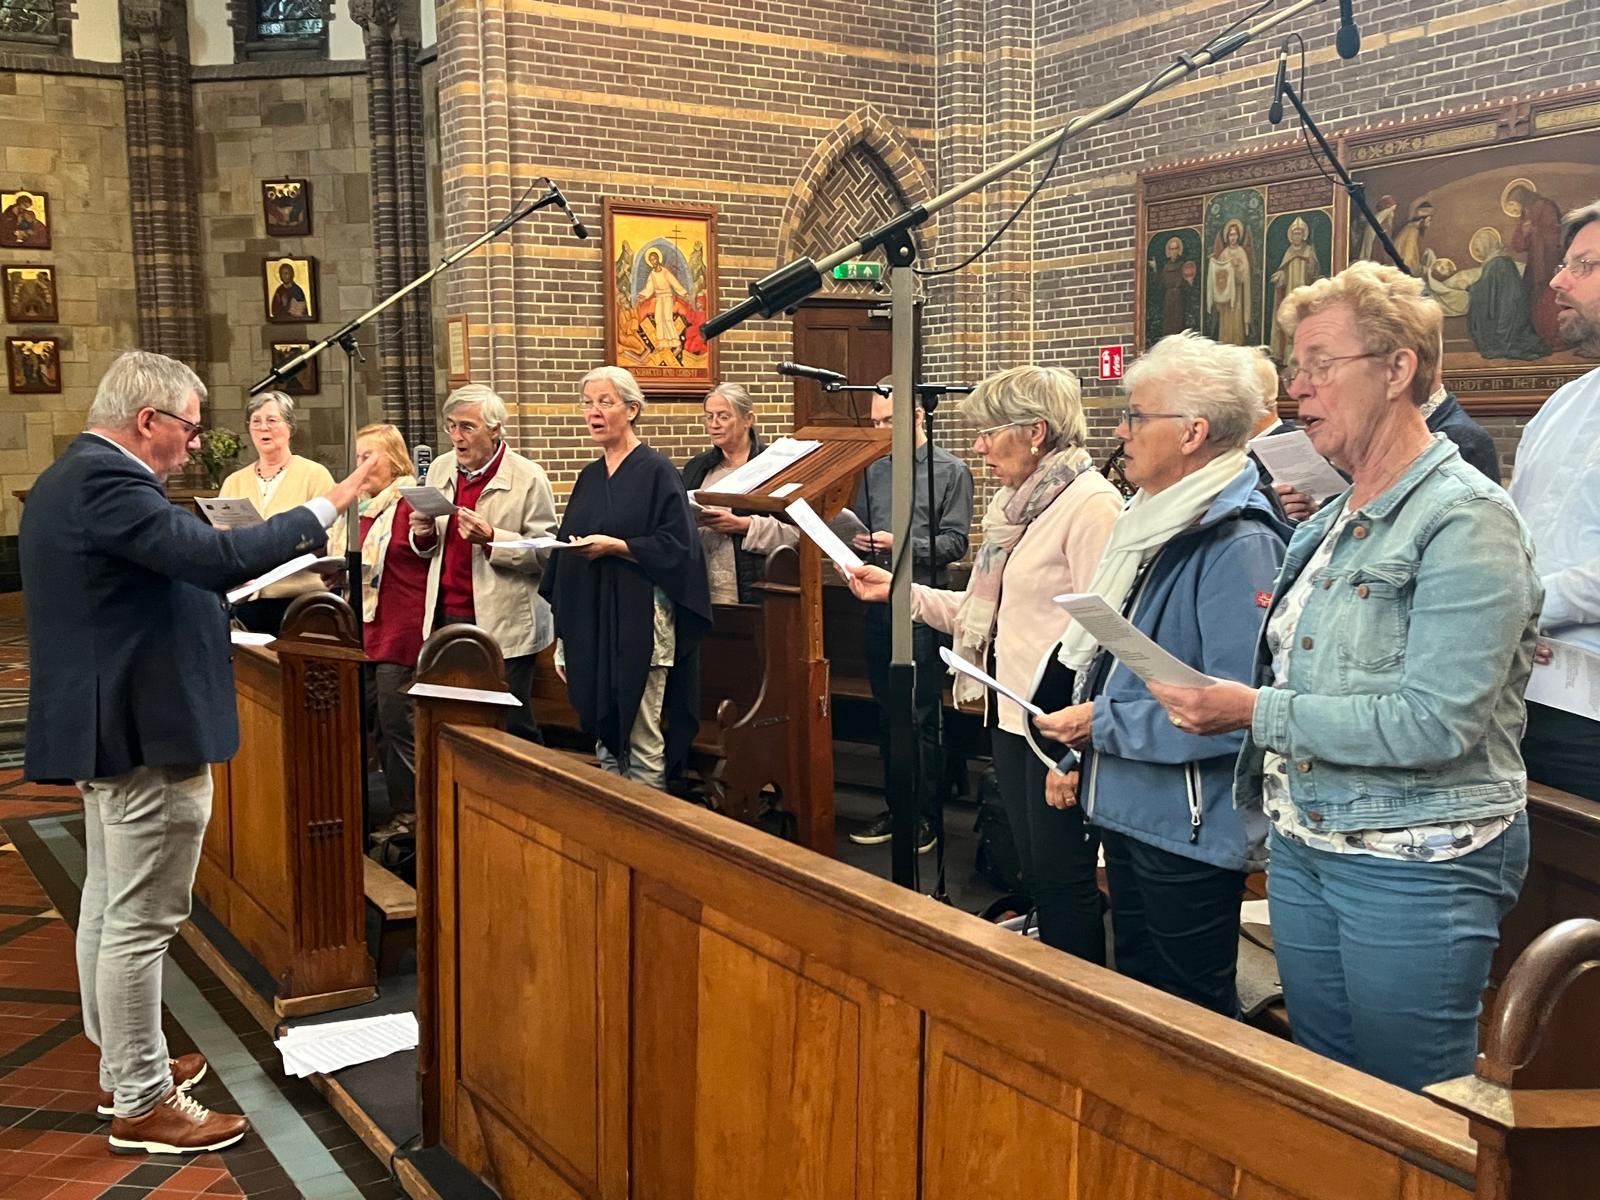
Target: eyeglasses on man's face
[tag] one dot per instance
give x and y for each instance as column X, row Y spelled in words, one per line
column 1578, row 268
column 1318, row 370
column 194, row 428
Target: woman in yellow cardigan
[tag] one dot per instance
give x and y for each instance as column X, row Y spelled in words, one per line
column 276, row 482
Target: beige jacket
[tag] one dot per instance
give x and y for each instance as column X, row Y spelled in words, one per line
column 518, row 502
column 303, row 479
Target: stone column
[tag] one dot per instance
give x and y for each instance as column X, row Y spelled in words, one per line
column 392, row 30
column 163, row 188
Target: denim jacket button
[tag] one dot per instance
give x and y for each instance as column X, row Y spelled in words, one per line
column 1306, row 643
column 1359, row 532
column 1315, row 816
column 1303, row 765
column 1326, row 584
column 1363, row 591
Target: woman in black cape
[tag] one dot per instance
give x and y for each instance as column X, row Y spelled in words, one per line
column 630, row 596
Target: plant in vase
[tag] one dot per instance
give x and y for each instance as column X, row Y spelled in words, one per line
column 219, row 451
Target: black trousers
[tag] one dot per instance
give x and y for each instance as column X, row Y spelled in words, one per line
column 265, row 615
column 519, row 682
column 1175, row 922
column 928, row 696
column 1058, row 851
column 391, row 717
column 1562, row 750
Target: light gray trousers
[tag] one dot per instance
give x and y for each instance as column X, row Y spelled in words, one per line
column 645, row 758
column 142, row 831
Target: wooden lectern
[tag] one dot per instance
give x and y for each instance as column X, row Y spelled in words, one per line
column 786, row 737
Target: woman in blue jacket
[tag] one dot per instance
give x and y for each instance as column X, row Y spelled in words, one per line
column 1383, row 733
column 1190, row 562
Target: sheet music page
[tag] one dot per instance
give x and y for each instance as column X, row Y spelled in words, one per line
column 815, row 528
column 784, row 452
column 1132, row 648
column 225, row 513
column 956, row 662
column 537, row 543
column 1291, row 458
column 298, row 563
column 1570, row 681
column 429, row 501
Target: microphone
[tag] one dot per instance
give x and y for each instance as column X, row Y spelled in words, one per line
column 422, row 456
column 561, row 203
column 1275, row 113
column 821, row 374
column 1349, row 39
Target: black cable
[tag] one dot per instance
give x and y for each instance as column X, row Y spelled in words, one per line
column 1305, row 134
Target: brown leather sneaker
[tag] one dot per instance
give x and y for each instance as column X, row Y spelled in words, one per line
column 177, row 1125
column 187, row 1071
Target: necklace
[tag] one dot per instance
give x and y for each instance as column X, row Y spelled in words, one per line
column 274, row 475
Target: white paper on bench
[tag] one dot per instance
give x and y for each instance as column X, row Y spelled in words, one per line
column 444, row 691
column 323, row 1049
column 245, row 637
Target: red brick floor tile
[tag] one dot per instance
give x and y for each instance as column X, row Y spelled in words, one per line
column 105, row 1170
column 224, row 1187
column 77, row 1191
column 35, row 1188
column 23, row 1162
column 197, row 1178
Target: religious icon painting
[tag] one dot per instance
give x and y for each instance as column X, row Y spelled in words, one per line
column 286, row 207
column 303, row 382
column 660, row 287
column 33, row 365
column 30, row 294
column 1233, row 276
column 1299, row 251
column 24, row 220
column 290, row 285
column 1172, row 283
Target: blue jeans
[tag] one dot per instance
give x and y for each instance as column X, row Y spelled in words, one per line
column 1384, row 961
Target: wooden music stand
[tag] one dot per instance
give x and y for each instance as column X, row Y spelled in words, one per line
column 793, row 742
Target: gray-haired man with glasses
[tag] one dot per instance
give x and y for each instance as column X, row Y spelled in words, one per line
column 131, row 697
column 1557, row 489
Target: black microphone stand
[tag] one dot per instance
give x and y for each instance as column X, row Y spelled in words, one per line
column 345, row 336
column 1356, row 190
column 793, row 282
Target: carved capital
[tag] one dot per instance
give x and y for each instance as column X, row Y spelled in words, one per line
column 146, row 22
column 377, row 18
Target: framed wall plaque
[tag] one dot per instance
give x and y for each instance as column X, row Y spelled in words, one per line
column 286, row 207
column 660, row 287
column 33, row 365
column 30, row 294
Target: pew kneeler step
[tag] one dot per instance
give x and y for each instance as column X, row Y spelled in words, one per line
column 396, row 902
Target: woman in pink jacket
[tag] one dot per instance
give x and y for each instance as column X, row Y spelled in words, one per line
column 1043, row 532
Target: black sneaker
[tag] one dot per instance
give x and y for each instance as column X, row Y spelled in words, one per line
column 876, row 834
column 926, row 839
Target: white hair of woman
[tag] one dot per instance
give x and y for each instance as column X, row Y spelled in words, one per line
column 621, row 381
column 1204, row 379
column 1027, row 394
column 283, row 400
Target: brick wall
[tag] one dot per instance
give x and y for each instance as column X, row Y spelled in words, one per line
column 751, row 109
column 248, row 130
column 65, row 135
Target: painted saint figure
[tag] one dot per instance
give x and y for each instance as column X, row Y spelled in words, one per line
column 289, row 298
column 1537, row 238
column 1228, row 292
column 1408, row 241
column 1298, row 267
column 1172, row 283
column 20, row 225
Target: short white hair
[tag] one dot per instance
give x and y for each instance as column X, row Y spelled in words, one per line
column 621, row 381
column 141, row 379
column 492, row 408
column 1023, row 395
column 1201, row 378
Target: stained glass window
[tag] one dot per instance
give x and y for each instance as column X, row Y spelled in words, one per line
column 281, row 20
column 30, row 18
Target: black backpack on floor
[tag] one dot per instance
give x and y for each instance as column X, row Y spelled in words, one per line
column 997, row 859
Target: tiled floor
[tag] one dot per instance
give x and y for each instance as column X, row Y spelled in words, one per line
column 51, row 1142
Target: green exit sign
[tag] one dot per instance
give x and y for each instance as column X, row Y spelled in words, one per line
column 858, row 270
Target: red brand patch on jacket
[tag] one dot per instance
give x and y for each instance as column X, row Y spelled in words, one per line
column 1263, row 599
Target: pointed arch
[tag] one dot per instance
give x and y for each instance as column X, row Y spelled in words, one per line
column 868, row 128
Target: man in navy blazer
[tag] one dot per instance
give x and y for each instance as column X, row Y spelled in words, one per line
column 131, row 697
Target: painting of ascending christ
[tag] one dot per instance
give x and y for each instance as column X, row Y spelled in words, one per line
column 660, row 286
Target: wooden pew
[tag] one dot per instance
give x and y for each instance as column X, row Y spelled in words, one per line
column 1563, row 871
column 281, row 865
column 674, row 1006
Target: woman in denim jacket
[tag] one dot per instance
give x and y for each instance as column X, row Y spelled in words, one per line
column 1383, row 738
column 1190, row 562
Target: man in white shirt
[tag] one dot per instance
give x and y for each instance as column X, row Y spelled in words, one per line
column 1557, row 488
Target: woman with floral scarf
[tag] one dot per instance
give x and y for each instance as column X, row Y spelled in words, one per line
column 394, row 579
column 1043, row 533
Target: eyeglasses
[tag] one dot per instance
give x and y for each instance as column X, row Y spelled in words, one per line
column 1320, row 371
column 987, row 435
column 605, row 404
column 714, row 418
column 1578, row 268
column 465, row 428
column 1130, row 418
column 266, row 422
column 194, row 427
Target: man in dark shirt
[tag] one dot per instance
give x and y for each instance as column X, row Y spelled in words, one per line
column 952, row 524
